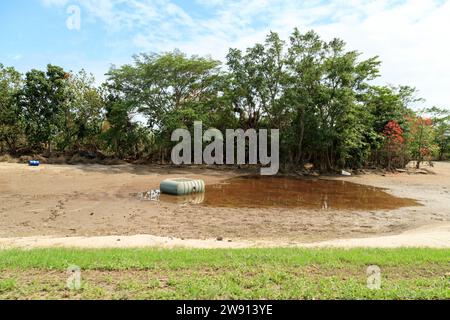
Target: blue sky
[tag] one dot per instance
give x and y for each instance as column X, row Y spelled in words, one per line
column 410, row 36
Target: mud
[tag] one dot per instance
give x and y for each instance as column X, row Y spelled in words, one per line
column 93, row 200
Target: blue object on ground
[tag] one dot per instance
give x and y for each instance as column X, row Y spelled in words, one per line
column 34, row 163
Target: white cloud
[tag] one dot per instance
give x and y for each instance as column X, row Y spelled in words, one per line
column 408, row 35
column 410, row 40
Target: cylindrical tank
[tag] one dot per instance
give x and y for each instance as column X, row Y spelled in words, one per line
column 182, row 186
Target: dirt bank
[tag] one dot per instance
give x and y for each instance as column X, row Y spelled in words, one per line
column 434, row 236
column 92, row 200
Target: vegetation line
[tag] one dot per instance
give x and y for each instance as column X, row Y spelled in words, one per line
column 317, row 93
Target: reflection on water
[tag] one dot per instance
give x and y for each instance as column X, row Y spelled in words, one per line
column 266, row 192
column 155, row 195
column 197, row 198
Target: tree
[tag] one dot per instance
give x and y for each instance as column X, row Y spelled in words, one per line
column 156, row 84
column 394, row 143
column 317, row 93
column 441, row 124
column 388, row 104
column 44, row 99
column 325, row 82
column 169, row 90
column 124, row 136
column 11, row 126
column 255, row 81
column 421, row 139
column 83, row 115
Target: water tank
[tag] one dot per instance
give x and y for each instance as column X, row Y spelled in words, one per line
column 182, row 186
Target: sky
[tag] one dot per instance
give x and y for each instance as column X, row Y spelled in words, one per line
column 411, row 37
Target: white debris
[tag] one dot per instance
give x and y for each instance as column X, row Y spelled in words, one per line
column 152, row 195
column 346, row 173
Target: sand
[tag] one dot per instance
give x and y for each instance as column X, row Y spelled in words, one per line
column 93, row 206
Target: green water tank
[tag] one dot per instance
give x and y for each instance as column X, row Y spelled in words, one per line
column 182, row 186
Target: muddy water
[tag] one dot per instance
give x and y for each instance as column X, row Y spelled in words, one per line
column 277, row 192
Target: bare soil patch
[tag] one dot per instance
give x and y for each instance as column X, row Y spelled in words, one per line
column 94, row 200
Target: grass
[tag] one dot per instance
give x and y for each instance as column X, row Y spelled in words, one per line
column 225, row 274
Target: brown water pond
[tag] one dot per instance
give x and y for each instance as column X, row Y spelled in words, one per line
column 282, row 192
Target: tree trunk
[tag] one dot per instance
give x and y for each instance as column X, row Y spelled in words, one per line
column 301, row 137
column 419, row 153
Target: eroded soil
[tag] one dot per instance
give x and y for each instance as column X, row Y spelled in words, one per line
column 93, row 200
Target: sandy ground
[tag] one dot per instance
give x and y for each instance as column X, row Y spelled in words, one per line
column 93, row 206
column 435, row 236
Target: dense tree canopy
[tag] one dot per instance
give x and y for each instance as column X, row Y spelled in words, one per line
column 11, row 126
column 319, row 94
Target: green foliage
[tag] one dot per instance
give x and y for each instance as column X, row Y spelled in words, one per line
column 125, row 138
column 441, row 123
column 158, row 84
column 11, row 126
column 255, row 81
column 318, row 93
column 421, row 140
column 44, row 99
column 170, row 91
column 83, row 116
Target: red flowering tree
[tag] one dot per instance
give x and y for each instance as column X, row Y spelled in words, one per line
column 394, row 142
column 394, row 133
